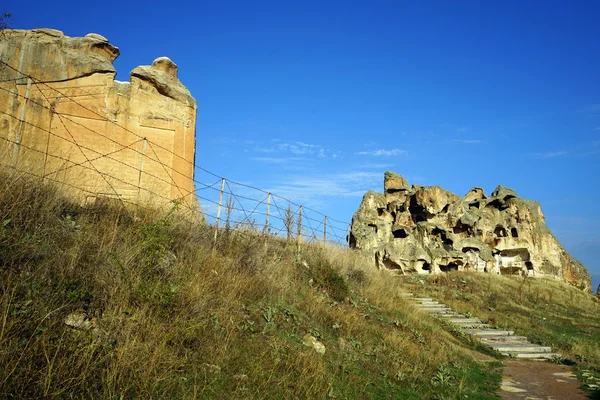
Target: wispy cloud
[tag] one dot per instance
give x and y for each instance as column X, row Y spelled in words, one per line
column 376, row 166
column 552, row 154
column 295, row 148
column 591, row 109
column 276, row 160
column 468, row 141
column 383, row 153
column 313, row 190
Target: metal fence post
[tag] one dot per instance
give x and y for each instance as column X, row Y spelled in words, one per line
column 299, row 234
column 137, row 201
column 20, row 128
column 325, row 229
column 267, row 217
column 219, row 209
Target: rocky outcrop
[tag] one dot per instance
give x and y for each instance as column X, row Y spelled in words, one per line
column 426, row 229
column 65, row 117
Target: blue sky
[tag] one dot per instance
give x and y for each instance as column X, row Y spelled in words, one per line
column 315, row 100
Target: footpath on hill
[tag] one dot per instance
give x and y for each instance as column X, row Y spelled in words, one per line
column 520, row 379
column 539, row 380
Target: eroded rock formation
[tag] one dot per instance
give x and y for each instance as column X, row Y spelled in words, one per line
column 426, row 229
column 73, row 122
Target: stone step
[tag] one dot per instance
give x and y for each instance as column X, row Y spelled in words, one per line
column 488, row 332
column 435, row 308
column 433, row 305
column 464, row 320
column 472, row 325
column 440, row 311
column 502, row 338
column 503, row 341
column 520, row 348
column 533, row 356
column 451, row 316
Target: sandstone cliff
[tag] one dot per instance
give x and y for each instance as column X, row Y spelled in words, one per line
column 429, row 230
column 75, row 123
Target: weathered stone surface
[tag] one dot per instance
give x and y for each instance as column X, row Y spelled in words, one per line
column 430, row 230
column 310, row 341
column 92, row 126
column 80, row 320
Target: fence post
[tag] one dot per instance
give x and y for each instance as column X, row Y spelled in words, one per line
column 267, row 217
column 20, row 128
column 219, row 209
column 137, row 200
column 325, row 229
column 299, row 234
column 348, row 234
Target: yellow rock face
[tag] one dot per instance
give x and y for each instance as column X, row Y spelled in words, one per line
column 413, row 229
column 75, row 124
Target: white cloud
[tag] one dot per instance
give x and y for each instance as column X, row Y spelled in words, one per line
column 468, row 141
column 311, row 191
column 552, row 154
column 297, row 148
column 271, row 160
column 377, row 166
column 383, row 153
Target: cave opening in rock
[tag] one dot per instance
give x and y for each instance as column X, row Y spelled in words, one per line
column 462, row 228
column 373, row 226
column 395, row 190
column 380, row 211
column 417, row 212
column 389, row 264
column 500, row 231
column 426, row 266
column 448, row 245
column 510, row 271
column 529, row 265
column 445, row 209
column 497, row 204
column 351, row 241
column 514, row 233
column 474, row 204
column 400, row 233
column 450, row 267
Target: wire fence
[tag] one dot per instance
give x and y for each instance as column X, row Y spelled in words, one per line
column 43, row 140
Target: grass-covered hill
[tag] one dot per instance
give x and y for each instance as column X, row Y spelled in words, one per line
column 105, row 302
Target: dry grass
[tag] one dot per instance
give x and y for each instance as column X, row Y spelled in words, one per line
column 179, row 317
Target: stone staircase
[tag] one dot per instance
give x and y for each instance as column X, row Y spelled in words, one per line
column 503, row 341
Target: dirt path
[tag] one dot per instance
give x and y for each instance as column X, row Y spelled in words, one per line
column 539, row 380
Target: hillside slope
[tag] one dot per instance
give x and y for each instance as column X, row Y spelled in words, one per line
column 98, row 302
